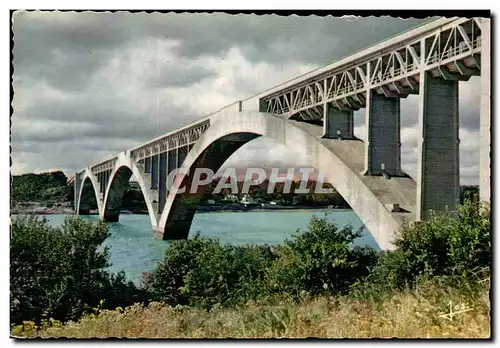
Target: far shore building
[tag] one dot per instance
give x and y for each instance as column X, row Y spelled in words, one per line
column 232, row 197
column 248, row 199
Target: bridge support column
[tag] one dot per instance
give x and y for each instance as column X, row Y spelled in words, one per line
column 337, row 123
column 485, row 114
column 162, row 181
column 180, row 216
column 76, row 191
column 182, row 154
column 147, row 165
column 383, row 144
column 438, row 180
column 154, row 172
column 105, row 183
column 115, row 199
column 172, row 161
column 102, row 178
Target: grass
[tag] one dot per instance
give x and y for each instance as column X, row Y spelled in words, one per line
column 413, row 313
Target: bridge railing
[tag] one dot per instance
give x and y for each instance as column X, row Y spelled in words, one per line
column 104, row 166
column 185, row 137
column 453, row 52
column 389, row 67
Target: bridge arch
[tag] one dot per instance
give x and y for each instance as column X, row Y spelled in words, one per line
column 118, row 183
column 371, row 197
column 88, row 189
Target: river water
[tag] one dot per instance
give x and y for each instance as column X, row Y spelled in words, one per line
column 134, row 249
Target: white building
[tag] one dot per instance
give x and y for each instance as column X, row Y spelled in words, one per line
column 248, row 200
column 231, row 197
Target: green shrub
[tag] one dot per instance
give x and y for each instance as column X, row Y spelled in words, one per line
column 319, row 260
column 227, row 275
column 201, row 272
column 167, row 280
column 61, row 272
column 450, row 245
column 447, row 243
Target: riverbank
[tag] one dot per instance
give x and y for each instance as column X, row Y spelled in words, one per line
column 264, row 208
column 237, row 228
column 314, row 284
column 40, row 210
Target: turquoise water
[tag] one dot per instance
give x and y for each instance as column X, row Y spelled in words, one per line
column 134, row 249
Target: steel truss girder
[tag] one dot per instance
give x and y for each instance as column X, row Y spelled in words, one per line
column 183, row 138
column 389, row 72
column 104, row 166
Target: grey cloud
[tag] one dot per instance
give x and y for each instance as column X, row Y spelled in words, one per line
column 76, row 145
column 81, row 41
column 64, row 48
column 277, row 39
column 134, row 133
column 103, row 109
column 178, row 76
column 94, row 117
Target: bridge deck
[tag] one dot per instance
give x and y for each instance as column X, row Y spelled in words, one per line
column 399, row 190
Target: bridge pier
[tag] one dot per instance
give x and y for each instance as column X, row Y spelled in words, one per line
column 181, row 155
column 116, row 192
column 182, row 209
column 77, row 182
column 438, row 179
column 485, row 114
column 162, row 182
column 337, row 123
column 154, row 172
column 383, row 144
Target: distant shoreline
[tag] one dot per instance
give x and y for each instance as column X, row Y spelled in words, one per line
column 202, row 209
column 267, row 209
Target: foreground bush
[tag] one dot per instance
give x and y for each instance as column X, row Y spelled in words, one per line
column 201, row 272
column 416, row 313
column 320, row 260
column 61, row 272
column 448, row 244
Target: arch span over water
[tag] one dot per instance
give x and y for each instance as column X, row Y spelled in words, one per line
column 89, row 190
column 371, row 197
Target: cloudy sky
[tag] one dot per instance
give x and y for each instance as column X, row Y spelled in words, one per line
column 89, row 85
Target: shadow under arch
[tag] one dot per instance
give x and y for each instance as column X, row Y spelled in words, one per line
column 118, row 184
column 183, row 206
column 88, row 199
column 342, row 161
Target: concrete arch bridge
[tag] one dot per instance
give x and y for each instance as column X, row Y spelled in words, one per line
column 313, row 115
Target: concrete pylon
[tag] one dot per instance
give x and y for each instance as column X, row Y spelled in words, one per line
column 438, row 178
column 162, row 181
column 485, row 114
column 154, row 172
column 337, row 123
column 119, row 186
column 383, row 136
column 76, row 191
